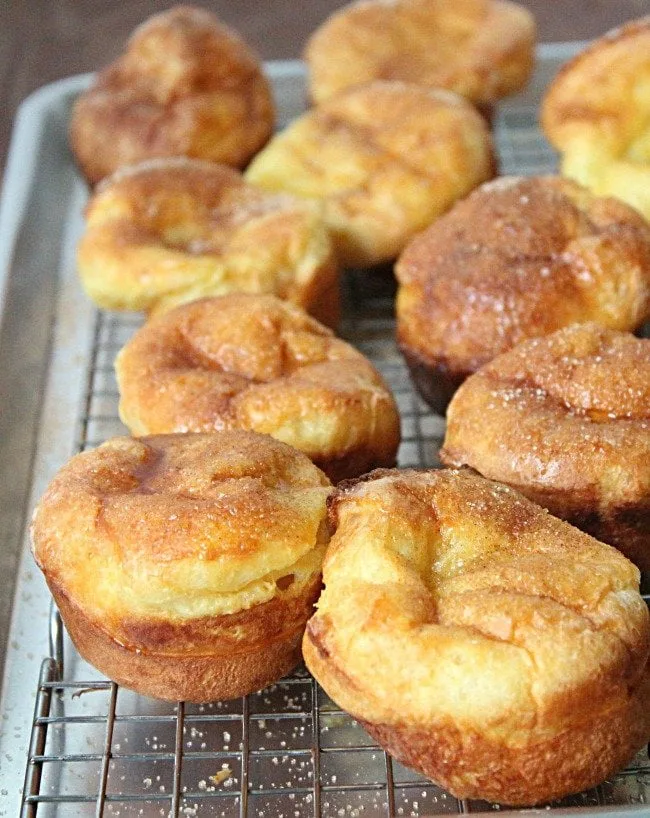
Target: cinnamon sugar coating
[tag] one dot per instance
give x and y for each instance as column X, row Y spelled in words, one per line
column 481, row 49
column 519, row 258
column 257, row 363
column 185, row 565
column 185, row 86
column 169, row 231
column 492, row 647
column 385, row 159
column 566, row 420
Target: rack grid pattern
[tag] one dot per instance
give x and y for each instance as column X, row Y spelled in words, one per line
column 285, row 752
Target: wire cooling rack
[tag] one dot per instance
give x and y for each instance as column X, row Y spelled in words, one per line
column 287, row 751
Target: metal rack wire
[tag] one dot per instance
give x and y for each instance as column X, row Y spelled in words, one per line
column 288, row 751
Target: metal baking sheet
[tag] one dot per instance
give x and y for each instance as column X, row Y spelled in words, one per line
column 98, row 749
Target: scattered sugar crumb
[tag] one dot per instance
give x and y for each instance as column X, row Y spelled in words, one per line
column 223, row 775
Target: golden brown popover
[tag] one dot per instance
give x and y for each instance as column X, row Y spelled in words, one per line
column 385, row 159
column 565, row 420
column 494, row 648
column 185, row 566
column 185, row 86
column 596, row 112
column 481, row 49
column 519, row 258
column 169, row 231
column 258, row 363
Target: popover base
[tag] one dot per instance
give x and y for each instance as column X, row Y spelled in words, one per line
column 518, row 258
column 207, row 676
column 434, row 380
column 565, row 419
column 185, row 566
column 489, row 645
column 509, row 775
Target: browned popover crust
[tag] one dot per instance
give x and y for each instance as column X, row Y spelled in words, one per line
column 219, row 668
column 185, row 566
column 185, row 86
column 481, row 49
column 596, row 112
column 493, row 647
column 566, row 420
column 169, row 231
column 384, row 160
column 258, row 363
column 519, row 258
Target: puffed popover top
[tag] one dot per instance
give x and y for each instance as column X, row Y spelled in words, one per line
column 258, row 363
column 481, row 49
column 179, row 527
column 186, row 85
column 569, row 411
column 519, row 258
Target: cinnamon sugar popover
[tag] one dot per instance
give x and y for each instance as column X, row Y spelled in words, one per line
column 481, row 49
column 185, row 86
column 385, row 160
column 596, row 112
column 566, row 420
column 255, row 362
column 483, row 642
column 172, row 230
column 185, row 566
column 519, row 258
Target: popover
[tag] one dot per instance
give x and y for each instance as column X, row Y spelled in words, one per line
column 169, row 231
column 596, row 112
column 258, row 363
column 565, row 420
column 481, row 49
column 385, row 159
column 185, row 86
column 519, row 258
column 185, row 566
column 483, row 642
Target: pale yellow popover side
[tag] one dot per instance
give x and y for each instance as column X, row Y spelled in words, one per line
column 596, row 112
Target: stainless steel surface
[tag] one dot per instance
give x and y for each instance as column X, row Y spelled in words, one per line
column 94, row 748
